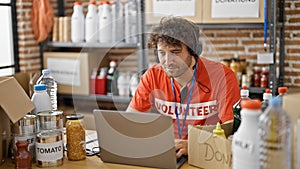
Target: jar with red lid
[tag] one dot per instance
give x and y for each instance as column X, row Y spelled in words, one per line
column 264, row 79
column 257, row 76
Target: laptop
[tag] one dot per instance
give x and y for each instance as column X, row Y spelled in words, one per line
column 141, row 139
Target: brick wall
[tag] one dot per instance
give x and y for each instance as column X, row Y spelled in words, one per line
column 223, row 43
column 29, row 52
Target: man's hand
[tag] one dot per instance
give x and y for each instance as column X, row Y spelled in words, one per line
column 181, row 147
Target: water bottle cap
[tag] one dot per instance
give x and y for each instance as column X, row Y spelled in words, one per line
column 275, row 101
column 46, row 71
column 282, row 90
column 254, row 104
column 39, row 87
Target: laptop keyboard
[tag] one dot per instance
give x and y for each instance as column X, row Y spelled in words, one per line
column 181, row 160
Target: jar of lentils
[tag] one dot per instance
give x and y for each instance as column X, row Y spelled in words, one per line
column 75, row 130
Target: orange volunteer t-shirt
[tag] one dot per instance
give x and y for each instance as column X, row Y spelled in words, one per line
column 215, row 92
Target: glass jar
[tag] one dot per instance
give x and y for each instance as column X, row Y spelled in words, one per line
column 75, row 130
column 264, row 79
column 257, row 76
column 244, row 65
column 235, row 65
column 22, row 156
column 226, row 62
column 236, row 68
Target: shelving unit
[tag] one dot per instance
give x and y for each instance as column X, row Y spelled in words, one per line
column 90, row 45
column 142, row 51
column 274, row 24
column 139, row 46
column 105, row 98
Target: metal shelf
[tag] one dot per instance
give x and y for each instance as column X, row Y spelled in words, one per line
column 225, row 25
column 96, row 97
column 232, row 25
column 256, row 90
column 90, row 45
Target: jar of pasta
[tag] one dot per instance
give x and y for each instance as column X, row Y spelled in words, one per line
column 75, row 130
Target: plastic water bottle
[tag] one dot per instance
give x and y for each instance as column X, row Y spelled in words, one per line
column 237, row 108
column 130, row 10
column 245, row 150
column 51, row 86
column 117, row 21
column 134, row 82
column 105, row 25
column 123, row 84
column 111, row 83
column 275, row 137
column 91, row 23
column 77, row 23
column 100, row 9
column 40, row 99
column 266, row 97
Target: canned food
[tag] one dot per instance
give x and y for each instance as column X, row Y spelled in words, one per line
column 26, row 125
column 49, row 148
column 50, row 120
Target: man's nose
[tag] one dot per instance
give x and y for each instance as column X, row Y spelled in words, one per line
column 169, row 57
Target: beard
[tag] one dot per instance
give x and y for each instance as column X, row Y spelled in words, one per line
column 174, row 70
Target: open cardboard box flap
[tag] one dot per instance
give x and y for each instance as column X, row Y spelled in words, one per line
column 13, row 99
column 209, row 151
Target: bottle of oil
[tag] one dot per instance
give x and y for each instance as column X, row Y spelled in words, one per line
column 275, row 137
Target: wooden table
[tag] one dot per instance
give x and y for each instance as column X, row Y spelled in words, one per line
column 93, row 162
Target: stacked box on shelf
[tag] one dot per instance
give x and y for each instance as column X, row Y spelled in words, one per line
column 72, row 70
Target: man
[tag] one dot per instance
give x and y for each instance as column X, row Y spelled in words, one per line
column 191, row 89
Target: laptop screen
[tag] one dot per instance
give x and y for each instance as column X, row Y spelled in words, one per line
column 143, row 139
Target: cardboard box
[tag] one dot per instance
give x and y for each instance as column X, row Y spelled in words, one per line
column 290, row 104
column 72, row 70
column 15, row 104
column 27, row 80
column 209, row 151
column 208, row 19
column 152, row 18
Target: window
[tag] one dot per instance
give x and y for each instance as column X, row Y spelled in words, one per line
column 8, row 41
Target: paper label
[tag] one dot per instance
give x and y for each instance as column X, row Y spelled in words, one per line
column 235, row 9
column 65, row 71
column 49, row 151
column 265, row 58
